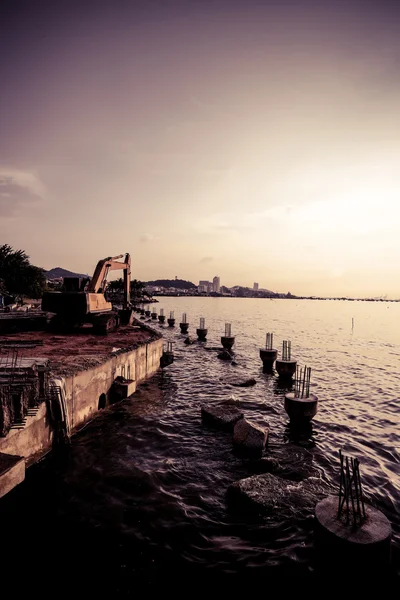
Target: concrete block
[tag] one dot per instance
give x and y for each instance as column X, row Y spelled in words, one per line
column 223, row 417
column 250, row 436
column 124, row 389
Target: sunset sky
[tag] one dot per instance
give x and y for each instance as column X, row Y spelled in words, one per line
column 254, row 140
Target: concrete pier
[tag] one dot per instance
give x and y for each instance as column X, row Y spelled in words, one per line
column 202, row 331
column 227, row 342
column 154, row 316
column 285, row 368
column 341, row 547
column 268, row 358
column 147, row 313
column 301, row 410
column 167, row 357
column 171, row 320
column 268, row 354
column 228, row 339
column 184, row 325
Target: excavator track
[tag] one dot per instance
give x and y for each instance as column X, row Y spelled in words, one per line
column 104, row 324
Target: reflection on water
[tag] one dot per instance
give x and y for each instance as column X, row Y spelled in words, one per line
column 143, row 489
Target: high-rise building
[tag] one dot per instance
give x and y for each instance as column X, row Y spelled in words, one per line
column 255, row 287
column 204, row 287
column 216, row 284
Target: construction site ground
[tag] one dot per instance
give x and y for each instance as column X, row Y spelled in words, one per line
column 71, row 353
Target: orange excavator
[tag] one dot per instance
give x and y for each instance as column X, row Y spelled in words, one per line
column 85, row 302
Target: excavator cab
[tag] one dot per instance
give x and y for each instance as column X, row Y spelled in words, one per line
column 83, row 301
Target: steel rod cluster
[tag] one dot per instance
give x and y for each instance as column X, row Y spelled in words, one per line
column 302, row 382
column 286, row 350
column 351, row 500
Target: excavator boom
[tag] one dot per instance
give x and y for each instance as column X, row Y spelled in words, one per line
column 99, row 279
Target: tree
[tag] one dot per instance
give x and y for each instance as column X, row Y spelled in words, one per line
column 137, row 289
column 20, row 278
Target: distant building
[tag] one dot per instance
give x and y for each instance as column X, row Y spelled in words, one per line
column 216, row 284
column 204, row 287
column 255, row 287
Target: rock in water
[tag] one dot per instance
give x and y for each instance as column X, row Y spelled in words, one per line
column 289, row 462
column 268, row 493
column 224, row 417
column 250, row 436
column 189, row 340
column 246, row 383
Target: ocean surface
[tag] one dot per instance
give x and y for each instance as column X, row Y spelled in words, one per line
column 141, row 495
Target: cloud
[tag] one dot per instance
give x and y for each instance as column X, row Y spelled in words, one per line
column 146, row 237
column 206, row 259
column 19, row 190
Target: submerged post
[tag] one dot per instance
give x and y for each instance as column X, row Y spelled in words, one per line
column 228, row 340
column 286, row 367
column 184, row 325
column 349, row 534
column 167, row 357
column 300, row 405
column 202, row 331
column 268, row 354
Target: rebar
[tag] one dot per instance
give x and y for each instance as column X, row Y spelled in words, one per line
column 286, row 350
column 228, row 330
column 161, row 312
column 302, row 382
column 350, row 491
column 202, row 323
column 184, row 318
column 171, row 314
column 269, row 341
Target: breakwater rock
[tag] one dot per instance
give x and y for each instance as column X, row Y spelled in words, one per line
column 250, row 436
column 268, row 494
column 222, row 416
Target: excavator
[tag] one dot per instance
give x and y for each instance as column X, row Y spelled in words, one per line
column 84, row 302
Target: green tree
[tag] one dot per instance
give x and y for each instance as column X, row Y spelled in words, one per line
column 20, row 278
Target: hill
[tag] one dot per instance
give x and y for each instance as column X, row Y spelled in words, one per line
column 58, row 272
column 179, row 284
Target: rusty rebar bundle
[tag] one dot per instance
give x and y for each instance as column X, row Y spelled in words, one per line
column 184, row 318
column 351, row 506
column 228, row 330
column 171, row 314
column 202, row 323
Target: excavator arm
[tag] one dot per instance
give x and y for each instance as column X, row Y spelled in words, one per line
column 99, row 279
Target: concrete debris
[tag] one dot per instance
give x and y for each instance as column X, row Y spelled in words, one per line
column 221, row 416
column 250, row 436
column 286, row 499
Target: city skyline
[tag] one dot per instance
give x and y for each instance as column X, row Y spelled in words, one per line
column 258, row 140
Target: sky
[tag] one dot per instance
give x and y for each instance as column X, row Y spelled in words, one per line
column 254, row 140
